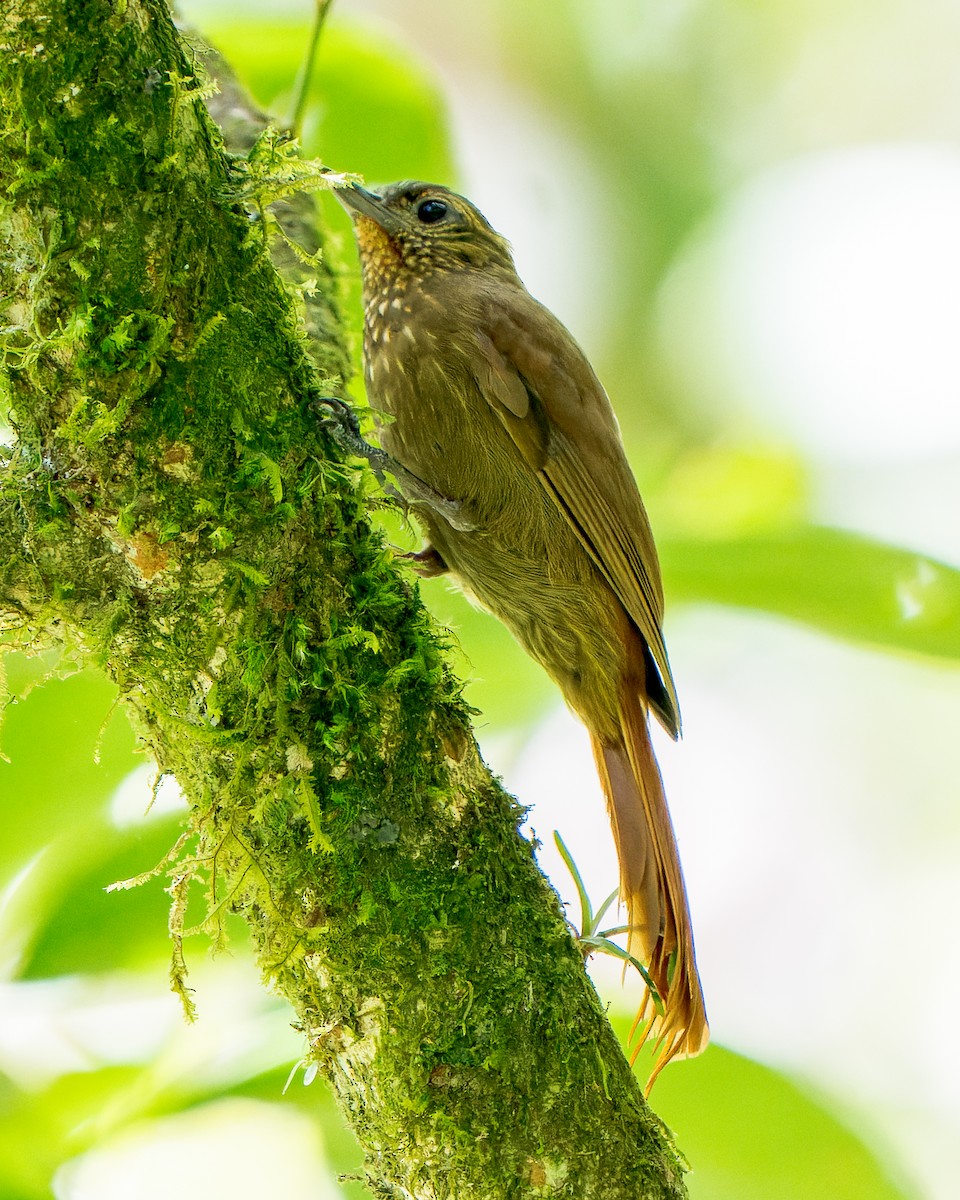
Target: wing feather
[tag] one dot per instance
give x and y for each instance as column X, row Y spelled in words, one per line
column 544, row 391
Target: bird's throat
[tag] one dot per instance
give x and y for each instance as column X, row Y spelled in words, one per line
column 380, row 257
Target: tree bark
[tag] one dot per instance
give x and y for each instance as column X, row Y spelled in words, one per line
column 170, row 510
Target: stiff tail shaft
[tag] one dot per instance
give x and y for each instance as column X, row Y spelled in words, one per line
column 651, row 885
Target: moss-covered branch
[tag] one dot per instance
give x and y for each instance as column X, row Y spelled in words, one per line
column 169, row 510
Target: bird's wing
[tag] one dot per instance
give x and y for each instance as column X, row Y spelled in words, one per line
column 546, row 394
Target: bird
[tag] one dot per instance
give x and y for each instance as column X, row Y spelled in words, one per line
column 505, row 447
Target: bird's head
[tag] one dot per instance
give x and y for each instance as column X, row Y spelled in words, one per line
column 410, row 230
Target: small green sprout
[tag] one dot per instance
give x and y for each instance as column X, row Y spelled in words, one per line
column 310, row 1071
column 590, row 938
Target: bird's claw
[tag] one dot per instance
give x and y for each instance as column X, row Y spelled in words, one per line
column 344, row 427
column 340, row 422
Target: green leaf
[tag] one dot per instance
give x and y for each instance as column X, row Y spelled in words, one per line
column 586, row 909
column 66, row 750
column 43, row 1127
column 602, row 912
column 86, row 930
column 605, row 946
column 750, row 1133
column 839, row 582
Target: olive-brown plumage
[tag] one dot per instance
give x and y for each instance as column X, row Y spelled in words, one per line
column 509, row 452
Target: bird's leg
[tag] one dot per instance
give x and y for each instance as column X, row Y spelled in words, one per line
column 344, row 428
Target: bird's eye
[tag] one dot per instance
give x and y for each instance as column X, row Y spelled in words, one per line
column 431, row 211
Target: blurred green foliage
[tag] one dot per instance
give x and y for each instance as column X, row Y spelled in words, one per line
column 374, row 108
column 838, row 582
column 752, row 1134
column 734, row 532
column 68, row 749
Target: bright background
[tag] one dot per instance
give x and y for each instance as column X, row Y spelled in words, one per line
column 749, row 215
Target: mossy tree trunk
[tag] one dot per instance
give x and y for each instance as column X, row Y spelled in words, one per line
column 170, row 511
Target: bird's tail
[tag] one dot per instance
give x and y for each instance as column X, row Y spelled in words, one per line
column 651, row 885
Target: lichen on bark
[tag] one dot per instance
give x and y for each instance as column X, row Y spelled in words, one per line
column 171, row 510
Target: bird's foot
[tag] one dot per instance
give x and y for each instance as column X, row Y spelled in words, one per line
column 342, row 425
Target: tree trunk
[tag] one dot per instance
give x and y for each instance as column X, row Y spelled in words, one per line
column 170, row 510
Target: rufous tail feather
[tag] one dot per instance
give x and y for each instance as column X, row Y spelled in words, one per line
column 652, row 887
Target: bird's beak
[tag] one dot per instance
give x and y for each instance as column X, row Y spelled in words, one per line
column 359, row 202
